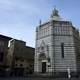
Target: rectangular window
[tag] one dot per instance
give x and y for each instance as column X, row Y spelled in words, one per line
column 1, row 56
column 62, row 49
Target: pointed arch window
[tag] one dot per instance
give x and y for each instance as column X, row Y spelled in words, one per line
column 42, row 48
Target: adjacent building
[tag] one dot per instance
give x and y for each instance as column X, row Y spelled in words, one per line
column 15, row 57
column 3, row 52
column 20, row 57
column 57, row 47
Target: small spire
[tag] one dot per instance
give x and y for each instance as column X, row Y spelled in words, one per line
column 40, row 22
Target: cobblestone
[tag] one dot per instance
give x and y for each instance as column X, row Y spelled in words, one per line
column 35, row 78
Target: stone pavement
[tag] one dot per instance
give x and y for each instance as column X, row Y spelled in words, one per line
column 35, row 78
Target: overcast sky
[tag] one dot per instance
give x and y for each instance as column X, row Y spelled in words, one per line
column 19, row 18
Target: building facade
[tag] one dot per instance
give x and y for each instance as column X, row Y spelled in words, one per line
column 3, row 53
column 20, row 58
column 57, row 46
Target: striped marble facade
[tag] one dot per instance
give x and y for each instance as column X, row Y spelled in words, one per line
column 57, row 44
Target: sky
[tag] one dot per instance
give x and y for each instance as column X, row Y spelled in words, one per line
column 19, row 18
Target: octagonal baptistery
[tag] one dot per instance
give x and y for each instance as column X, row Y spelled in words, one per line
column 57, row 47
